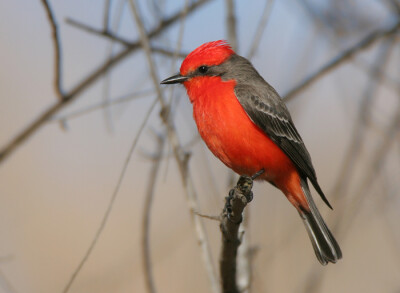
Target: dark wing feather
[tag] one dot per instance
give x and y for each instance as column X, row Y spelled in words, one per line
column 266, row 109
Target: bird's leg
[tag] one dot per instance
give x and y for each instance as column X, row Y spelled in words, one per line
column 257, row 174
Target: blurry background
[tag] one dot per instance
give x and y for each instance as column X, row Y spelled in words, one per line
column 56, row 186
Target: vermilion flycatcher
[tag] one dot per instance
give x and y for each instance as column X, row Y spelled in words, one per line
column 245, row 123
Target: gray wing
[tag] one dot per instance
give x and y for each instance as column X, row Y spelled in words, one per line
column 267, row 110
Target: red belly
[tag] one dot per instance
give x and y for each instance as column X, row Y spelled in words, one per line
column 234, row 138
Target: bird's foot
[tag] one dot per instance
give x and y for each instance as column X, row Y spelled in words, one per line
column 242, row 192
column 245, row 184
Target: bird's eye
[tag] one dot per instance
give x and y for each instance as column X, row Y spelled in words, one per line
column 203, row 69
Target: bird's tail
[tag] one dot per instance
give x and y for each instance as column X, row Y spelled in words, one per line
column 325, row 246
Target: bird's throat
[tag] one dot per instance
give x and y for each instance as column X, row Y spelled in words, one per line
column 203, row 89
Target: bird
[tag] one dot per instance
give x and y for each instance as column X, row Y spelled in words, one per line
column 246, row 124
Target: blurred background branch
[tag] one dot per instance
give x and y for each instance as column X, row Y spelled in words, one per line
column 89, row 80
column 61, row 185
column 342, row 57
column 57, row 51
column 146, row 249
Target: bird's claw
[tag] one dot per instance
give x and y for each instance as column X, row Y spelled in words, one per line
column 245, row 184
column 243, row 187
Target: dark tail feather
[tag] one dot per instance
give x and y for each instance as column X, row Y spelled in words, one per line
column 325, row 246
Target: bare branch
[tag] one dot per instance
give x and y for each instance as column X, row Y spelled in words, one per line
column 180, row 157
column 373, row 169
column 316, row 277
column 395, row 6
column 260, row 28
column 358, row 133
column 98, row 32
column 57, row 50
column 147, row 267
column 112, row 200
column 109, row 53
column 342, row 57
column 231, row 23
column 213, row 218
column 121, row 40
column 102, row 105
column 106, row 18
column 231, row 219
column 244, row 257
column 88, row 81
column 168, row 52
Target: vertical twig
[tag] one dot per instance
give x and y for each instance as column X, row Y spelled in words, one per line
column 112, row 200
column 57, row 51
column 147, row 267
column 180, row 157
column 106, row 16
column 169, row 113
column 260, row 28
column 244, row 258
column 231, row 24
column 107, row 76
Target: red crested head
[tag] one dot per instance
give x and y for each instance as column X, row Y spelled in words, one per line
column 212, row 53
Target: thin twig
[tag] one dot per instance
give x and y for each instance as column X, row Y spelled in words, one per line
column 386, row 78
column 373, row 168
column 260, row 28
column 147, row 267
column 57, row 51
column 107, row 76
column 180, row 157
column 358, row 133
column 213, row 218
column 98, row 32
column 113, row 37
column 342, row 57
column 11, row 146
column 358, row 60
column 112, row 200
column 395, row 5
column 106, row 17
column 343, row 224
column 244, row 258
column 315, row 276
column 102, row 105
column 171, row 103
column 212, row 180
column 168, row 52
column 231, row 24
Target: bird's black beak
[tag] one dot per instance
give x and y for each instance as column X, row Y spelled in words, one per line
column 175, row 79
